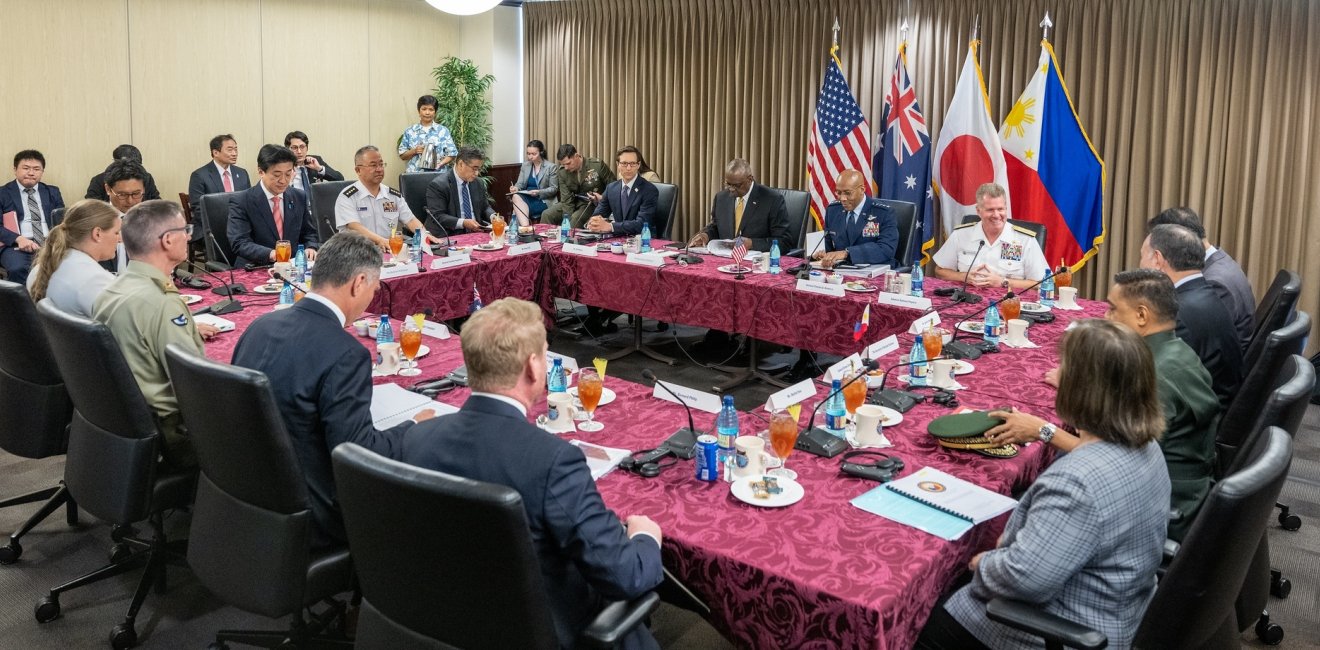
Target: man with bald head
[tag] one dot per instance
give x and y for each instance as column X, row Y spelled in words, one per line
column 858, row 229
column 990, row 252
column 746, row 209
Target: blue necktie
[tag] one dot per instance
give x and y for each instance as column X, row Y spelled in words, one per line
column 623, row 200
column 467, row 202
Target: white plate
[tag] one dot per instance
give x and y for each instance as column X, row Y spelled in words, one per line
column 892, row 417
column 973, row 326
column 793, row 492
column 606, row 396
column 964, row 367
column 848, row 286
column 733, row 269
column 492, row 246
column 1034, row 308
column 190, row 298
column 267, row 289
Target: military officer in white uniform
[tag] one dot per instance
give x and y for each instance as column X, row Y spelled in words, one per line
column 1010, row 258
column 372, row 208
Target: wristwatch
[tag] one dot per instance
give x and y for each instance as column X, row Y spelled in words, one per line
column 1003, row 284
column 1047, row 432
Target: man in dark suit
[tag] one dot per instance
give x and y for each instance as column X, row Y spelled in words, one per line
column 310, row 168
column 456, row 199
column 587, row 556
column 222, row 174
column 1203, row 320
column 27, row 206
column 627, row 203
column 96, row 188
column 858, row 229
column 325, row 397
column 747, row 209
column 271, row 211
column 1221, row 271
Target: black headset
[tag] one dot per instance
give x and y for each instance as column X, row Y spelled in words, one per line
column 648, row 463
column 874, row 465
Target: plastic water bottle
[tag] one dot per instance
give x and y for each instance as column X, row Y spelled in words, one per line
column 646, row 237
column 726, row 425
column 917, row 366
column 994, row 325
column 918, row 281
column 511, row 231
column 418, row 240
column 774, row 257
column 836, row 411
column 300, row 264
column 384, row 333
column 555, row 382
column 1047, row 290
column 564, row 230
column 286, row 294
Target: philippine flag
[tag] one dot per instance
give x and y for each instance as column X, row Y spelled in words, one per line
column 968, row 154
column 1054, row 173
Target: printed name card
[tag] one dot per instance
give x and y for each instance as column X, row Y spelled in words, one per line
column 922, row 324
column 791, row 395
column 450, row 261
column 398, row 270
column 823, row 288
column 882, row 347
column 579, row 249
column 433, row 329
column 700, row 400
column 569, row 362
column 646, row 259
column 900, row 300
column 523, row 249
column 843, row 369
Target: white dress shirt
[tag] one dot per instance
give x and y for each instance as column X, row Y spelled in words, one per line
column 76, row 284
column 339, row 313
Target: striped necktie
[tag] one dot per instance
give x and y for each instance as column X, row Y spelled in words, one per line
column 34, row 215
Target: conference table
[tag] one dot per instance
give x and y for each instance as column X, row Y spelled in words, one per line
column 821, row 572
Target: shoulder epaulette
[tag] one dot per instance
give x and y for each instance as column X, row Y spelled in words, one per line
column 969, row 224
column 395, row 192
column 350, row 190
column 1026, row 231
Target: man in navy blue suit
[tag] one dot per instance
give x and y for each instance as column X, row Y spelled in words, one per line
column 626, row 203
column 222, row 174
column 858, row 230
column 587, row 556
column 27, row 205
column 271, row 211
column 321, row 375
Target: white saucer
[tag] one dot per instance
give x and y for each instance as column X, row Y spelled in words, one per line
column 1034, row 308
column 492, row 246
column 190, row 298
column 848, row 286
column 606, row 396
column 268, row 289
column 792, row 492
column 973, row 326
column 733, row 269
column 964, row 367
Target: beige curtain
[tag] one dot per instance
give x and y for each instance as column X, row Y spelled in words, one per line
column 1205, row 103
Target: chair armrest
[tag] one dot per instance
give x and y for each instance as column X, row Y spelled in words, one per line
column 618, row 619
column 1170, row 551
column 1052, row 629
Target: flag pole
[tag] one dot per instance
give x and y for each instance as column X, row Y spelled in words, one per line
column 1045, row 25
column 976, row 27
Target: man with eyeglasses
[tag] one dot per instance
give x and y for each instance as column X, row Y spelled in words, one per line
column 746, row 209
column 371, row 208
column 310, row 168
column 271, row 212
column 456, row 199
column 143, row 310
column 27, row 206
column 125, row 185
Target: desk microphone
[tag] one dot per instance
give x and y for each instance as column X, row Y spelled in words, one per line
column 961, row 294
column 444, row 246
column 819, row 441
column 683, row 440
column 281, row 277
column 973, row 351
column 804, row 271
column 225, row 289
column 221, row 307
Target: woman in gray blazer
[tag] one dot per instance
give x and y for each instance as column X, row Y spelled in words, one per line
column 535, row 189
column 1087, row 537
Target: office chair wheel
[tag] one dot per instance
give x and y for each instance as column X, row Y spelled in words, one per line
column 120, row 552
column 123, row 637
column 1269, row 633
column 1289, row 521
column 1280, row 588
column 9, row 553
column 48, row 609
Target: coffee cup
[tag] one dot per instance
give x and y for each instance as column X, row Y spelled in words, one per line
column 1068, row 296
column 870, row 426
column 616, row 248
column 835, row 278
column 559, row 412
column 905, row 283
column 387, row 358
column 361, row 326
column 280, row 270
column 1017, row 330
column 941, row 373
column 752, row 449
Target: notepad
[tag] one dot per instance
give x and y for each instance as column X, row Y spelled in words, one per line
column 600, row 460
column 392, row 404
column 935, row 502
column 221, row 324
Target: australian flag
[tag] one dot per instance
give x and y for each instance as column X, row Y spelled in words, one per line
column 902, row 155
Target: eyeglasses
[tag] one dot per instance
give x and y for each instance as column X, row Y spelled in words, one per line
column 628, row 164
column 375, row 165
column 128, row 195
column 187, row 230
column 298, row 147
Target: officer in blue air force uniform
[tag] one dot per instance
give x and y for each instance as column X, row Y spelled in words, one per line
column 858, row 229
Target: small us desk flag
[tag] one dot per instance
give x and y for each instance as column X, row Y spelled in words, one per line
column 902, row 155
column 739, row 252
column 840, row 139
column 476, row 300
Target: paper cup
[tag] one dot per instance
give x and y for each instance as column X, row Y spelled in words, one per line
column 1068, row 296
column 1017, row 330
column 361, row 327
column 869, row 425
column 941, row 373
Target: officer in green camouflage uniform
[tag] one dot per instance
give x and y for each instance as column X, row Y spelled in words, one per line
column 577, row 177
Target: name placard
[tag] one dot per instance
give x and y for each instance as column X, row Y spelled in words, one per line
column 900, row 300
column 523, row 249
column 882, row 347
column 840, row 369
column 433, row 329
column 791, row 395
column 569, row 362
column 645, row 259
column 450, row 261
column 579, row 249
column 699, row 400
column 823, row 288
column 921, row 324
column 398, row 270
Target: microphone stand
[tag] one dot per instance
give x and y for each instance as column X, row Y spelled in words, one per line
column 973, row 351
column 962, row 294
column 804, row 270
column 682, row 440
column 819, row 441
column 222, row 307
column 444, row 247
column 226, row 289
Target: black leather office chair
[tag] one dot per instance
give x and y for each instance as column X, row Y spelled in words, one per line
column 797, row 206
column 251, row 525
column 35, row 405
column 111, row 469
column 1275, row 310
column 324, row 196
column 465, row 575
column 1193, row 604
column 1263, row 377
column 905, row 215
column 413, row 188
column 215, row 220
column 662, row 225
column 1037, row 228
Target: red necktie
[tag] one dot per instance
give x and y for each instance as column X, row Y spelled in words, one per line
column 277, row 212
column 229, row 183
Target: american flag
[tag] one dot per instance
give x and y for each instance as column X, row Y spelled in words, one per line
column 840, row 139
column 739, row 251
column 476, row 300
